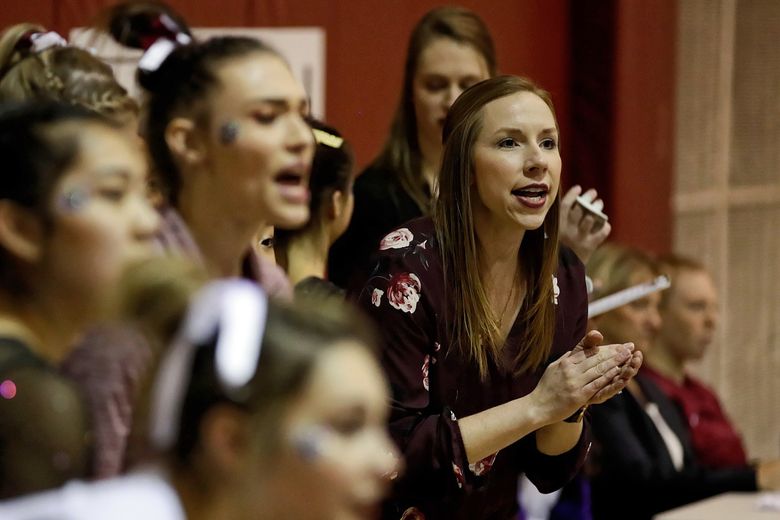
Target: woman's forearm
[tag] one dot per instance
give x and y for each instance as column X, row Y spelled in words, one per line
column 491, row 430
column 567, row 384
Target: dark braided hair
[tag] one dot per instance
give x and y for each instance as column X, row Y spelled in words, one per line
column 332, row 170
column 59, row 73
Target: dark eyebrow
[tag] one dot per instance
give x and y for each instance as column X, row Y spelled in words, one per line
column 436, row 75
column 280, row 103
column 513, row 130
column 111, row 171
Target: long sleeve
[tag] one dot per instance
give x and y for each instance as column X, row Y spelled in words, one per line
column 571, row 298
column 108, row 365
column 549, row 473
column 426, row 431
column 433, row 385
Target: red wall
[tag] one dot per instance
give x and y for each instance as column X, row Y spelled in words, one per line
column 366, row 42
column 644, row 124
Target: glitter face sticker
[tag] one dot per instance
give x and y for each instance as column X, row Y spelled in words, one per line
column 73, row 200
column 310, row 443
column 228, row 132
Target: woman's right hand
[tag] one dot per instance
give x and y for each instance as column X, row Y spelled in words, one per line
column 582, row 374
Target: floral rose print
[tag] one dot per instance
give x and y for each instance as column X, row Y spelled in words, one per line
column 425, row 368
column 481, row 467
column 556, row 290
column 403, row 292
column 376, row 297
column 458, row 475
column 396, row 239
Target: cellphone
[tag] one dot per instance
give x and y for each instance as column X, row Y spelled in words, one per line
column 592, row 210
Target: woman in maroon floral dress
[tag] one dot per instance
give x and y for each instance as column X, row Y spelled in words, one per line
column 474, row 305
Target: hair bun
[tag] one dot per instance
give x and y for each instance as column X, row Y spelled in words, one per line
column 140, row 24
column 154, row 28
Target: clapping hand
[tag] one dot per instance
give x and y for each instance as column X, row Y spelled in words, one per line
column 590, row 373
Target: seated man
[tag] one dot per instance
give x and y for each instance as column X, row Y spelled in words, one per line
column 689, row 311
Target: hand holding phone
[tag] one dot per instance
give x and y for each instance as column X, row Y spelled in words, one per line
column 583, row 224
column 593, row 208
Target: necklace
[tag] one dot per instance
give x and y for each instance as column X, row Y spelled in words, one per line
column 509, row 298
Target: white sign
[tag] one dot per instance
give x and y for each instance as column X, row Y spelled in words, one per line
column 302, row 47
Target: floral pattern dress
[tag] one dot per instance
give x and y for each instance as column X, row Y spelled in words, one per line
column 433, row 386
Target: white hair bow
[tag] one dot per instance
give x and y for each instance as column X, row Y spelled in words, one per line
column 234, row 311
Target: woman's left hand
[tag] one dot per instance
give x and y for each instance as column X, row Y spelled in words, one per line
column 619, row 382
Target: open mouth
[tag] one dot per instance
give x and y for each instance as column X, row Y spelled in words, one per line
column 530, row 193
column 532, row 196
column 289, row 179
column 292, row 185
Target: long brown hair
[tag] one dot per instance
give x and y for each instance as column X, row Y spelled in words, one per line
column 401, row 152
column 475, row 328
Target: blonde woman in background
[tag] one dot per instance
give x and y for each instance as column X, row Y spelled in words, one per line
column 449, row 50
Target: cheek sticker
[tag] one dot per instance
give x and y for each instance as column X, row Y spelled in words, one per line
column 311, row 443
column 228, row 132
column 73, row 200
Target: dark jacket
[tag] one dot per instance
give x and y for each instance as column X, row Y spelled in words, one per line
column 381, row 205
column 634, row 476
